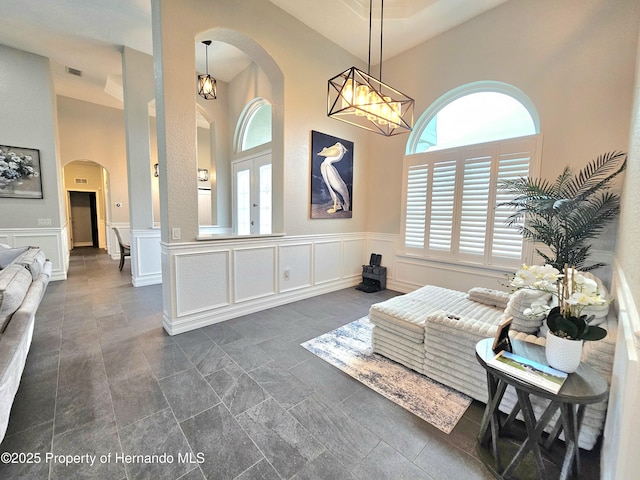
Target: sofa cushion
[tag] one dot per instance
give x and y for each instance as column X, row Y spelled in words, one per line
column 488, row 296
column 14, row 283
column 8, row 255
column 33, row 259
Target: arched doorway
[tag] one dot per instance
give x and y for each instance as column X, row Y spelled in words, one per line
column 86, row 187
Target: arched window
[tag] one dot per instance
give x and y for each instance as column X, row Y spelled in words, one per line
column 462, row 146
column 254, row 126
column 252, row 172
column 474, row 113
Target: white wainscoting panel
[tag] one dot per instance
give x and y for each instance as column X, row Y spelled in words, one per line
column 327, row 260
column 208, row 281
column 203, row 281
column 353, row 252
column 295, row 268
column 146, row 266
column 384, row 245
column 254, row 272
column 621, row 440
column 52, row 241
column 412, row 273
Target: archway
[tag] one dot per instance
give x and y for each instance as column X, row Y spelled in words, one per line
column 275, row 78
column 86, row 185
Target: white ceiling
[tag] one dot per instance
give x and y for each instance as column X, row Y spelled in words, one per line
column 87, row 35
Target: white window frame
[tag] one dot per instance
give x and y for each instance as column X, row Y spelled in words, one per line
column 244, row 122
column 495, row 150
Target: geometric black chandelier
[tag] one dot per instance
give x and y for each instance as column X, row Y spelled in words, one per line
column 206, row 83
column 362, row 100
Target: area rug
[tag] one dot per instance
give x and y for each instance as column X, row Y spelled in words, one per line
column 349, row 349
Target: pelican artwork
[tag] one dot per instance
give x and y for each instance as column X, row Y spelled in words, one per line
column 332, row 178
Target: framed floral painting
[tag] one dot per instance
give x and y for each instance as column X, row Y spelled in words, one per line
column 20, row 172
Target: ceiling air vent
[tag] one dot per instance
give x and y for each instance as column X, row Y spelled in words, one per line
column 74, row 71
column 82, row 180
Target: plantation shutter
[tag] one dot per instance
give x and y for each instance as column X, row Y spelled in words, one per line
column 416, row 206
column 512, row 164
column 442, row 205
column 475, row 204
column 451, row 197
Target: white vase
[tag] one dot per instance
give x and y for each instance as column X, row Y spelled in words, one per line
column 563, row 354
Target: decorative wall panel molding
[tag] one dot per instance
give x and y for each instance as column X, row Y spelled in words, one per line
column 146, row 268
column 327, row 260
column 254, row 272
column 204, row 281
column 352, row 252
column 52, row 241
column 385, row 245
column 219, row 280
column 411, row 273
column 621, row 440
column 295, row 267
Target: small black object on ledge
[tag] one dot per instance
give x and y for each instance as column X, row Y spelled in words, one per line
column 374, row 277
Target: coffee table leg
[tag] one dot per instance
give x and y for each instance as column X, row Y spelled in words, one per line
column 491, row 418
column 571, row 421
column 534, row 433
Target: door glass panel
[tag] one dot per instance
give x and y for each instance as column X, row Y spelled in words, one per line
column 265, row 198
column 243, row 202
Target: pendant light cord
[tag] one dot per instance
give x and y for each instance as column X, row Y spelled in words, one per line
column 370, row 26
column 381, row 22
column 370, row 30
column 206, row 57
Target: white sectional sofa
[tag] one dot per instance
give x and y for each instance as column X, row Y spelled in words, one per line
column 24, row 276
column 434, row 331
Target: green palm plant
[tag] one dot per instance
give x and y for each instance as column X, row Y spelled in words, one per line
column 566, row 214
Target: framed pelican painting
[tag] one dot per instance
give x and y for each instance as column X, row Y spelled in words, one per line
column 331, row 176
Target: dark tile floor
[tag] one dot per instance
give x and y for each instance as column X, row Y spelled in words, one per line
column 236, row 400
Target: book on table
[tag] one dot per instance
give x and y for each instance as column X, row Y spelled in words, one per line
column 529, row 371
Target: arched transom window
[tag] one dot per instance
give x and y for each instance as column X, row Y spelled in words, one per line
column 254, row 126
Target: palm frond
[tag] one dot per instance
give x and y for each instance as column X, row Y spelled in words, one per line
column 597, row 174
column 527, row 187
column 562, row 181
column 566, row 214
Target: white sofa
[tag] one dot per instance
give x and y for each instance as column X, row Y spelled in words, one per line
column 24, row 276
column 434, row 331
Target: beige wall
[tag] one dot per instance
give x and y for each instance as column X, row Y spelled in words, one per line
column 573, row 58
column 249, row 84
column 28, row 120
column 96, row 133
column 306, row 60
